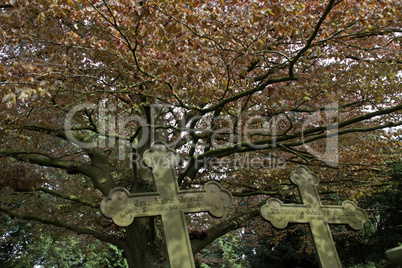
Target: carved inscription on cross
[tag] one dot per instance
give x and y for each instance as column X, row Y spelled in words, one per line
column 169, row 202
column 317, row 215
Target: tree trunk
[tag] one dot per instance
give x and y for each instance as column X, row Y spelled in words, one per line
column 145, row 241
column 145, row 244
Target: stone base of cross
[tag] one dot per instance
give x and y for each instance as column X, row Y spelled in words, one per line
column 318, row 216
column 169, row 202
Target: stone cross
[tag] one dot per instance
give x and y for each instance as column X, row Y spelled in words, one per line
column 169, row 202
column 317, row 215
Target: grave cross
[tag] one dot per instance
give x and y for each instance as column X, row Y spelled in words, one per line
column 169, row 202
column 317, row 215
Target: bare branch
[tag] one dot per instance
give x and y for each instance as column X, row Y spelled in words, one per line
column 311, row 39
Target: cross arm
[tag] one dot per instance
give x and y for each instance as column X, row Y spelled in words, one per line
column 123, row 207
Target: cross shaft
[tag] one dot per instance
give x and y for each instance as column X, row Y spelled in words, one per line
column 318, row 216
column 169, row 202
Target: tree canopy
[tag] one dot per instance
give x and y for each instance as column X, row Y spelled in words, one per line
column 242, row 90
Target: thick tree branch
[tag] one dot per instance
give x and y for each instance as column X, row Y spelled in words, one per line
column 342, row 132
column 78, row 230
column 248, row 92
column 98, row 170
column 286, row 139
column 7, row 6
column 99, row 175
column 45, row 160
column 57, row 132
column 61, row 133
column 68, row 197
column 370, row 115
column 253, row 193
column 237, row 221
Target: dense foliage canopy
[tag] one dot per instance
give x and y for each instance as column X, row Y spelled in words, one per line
column 242, row 90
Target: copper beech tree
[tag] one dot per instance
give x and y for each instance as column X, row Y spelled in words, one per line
column 242, row 90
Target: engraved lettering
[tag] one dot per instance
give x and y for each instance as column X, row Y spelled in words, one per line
column 185, row 199
column 317, row 215
column 163, row 201
column 140, row 203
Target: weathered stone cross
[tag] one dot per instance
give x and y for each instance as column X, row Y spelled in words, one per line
column 169, row 202
column 317, row 215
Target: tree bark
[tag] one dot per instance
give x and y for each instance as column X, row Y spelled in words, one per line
column 145, row 245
